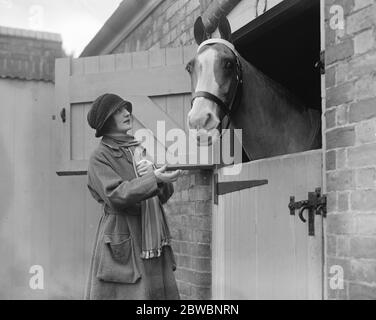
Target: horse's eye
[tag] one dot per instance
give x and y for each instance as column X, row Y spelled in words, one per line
column 229, row 65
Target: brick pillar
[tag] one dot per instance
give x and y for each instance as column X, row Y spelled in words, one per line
column 189, row 213
column 350, row 142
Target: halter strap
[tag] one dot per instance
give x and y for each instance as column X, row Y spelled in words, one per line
column 218, row 40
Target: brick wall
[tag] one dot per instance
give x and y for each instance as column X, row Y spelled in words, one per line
column 189, row 210
column 28, row 55
column 350, row 134
column 169, row 25
column 189, row 214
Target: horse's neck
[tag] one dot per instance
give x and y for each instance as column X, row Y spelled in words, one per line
column 265, row 113
column 260, row 94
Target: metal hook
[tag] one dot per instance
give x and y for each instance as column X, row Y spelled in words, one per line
column 301, row 213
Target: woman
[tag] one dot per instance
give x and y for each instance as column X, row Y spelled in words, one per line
column 132, row 257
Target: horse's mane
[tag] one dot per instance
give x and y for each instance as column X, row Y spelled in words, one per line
column 283, row 92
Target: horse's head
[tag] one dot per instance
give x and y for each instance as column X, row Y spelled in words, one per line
column 215, row 76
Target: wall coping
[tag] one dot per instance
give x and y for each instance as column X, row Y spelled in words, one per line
column 31, row 34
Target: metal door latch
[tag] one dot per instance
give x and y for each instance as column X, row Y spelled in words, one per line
column 316, row 205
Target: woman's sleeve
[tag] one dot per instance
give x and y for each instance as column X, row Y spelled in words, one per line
column 165, row 191
column 118, row 193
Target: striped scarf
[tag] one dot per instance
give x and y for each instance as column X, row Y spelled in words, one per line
column 155, row 231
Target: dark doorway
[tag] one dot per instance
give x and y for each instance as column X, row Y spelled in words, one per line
column 284, row 43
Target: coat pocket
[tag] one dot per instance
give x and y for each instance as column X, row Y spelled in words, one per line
column 117, row 261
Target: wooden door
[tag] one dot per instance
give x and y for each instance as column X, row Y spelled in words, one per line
column 260, row 251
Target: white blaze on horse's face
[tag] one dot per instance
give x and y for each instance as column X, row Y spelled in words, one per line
column 204, row 114
column 210, row 72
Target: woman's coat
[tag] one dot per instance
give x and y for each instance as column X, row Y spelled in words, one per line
column 117, row 271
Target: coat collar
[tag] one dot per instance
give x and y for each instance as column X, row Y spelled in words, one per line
column 109, row 142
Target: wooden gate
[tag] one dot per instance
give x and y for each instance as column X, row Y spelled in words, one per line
column 159, row 88
column 260, row 251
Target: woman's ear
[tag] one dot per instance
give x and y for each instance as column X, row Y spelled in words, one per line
column 225, row 29
column 199, row 31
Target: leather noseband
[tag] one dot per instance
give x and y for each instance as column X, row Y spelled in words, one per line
column 212, row 97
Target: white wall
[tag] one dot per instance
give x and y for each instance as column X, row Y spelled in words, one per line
column 44, row 219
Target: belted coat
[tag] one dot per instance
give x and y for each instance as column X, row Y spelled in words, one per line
column 117, row 270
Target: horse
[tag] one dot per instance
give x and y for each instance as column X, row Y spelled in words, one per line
column 224, row 85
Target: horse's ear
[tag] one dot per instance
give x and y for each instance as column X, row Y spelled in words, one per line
column 224, row 29
column 199, row 31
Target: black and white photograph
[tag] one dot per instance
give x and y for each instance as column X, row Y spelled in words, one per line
column 206, row 151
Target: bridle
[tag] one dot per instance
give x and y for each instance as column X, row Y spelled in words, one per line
column 229, row 109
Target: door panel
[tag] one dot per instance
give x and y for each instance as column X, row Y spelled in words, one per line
column 260, row 251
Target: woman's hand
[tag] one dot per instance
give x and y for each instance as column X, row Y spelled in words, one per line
column 144, row 167
column 166, row 177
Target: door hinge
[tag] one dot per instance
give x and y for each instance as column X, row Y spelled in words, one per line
column 316, row 205
column 321, row 63
column 221, row 188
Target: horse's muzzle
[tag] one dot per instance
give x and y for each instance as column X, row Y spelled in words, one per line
column 203, row 115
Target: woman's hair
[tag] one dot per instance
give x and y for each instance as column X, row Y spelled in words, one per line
column 109, row 125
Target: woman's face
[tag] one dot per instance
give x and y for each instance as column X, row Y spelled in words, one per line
column 122, row 121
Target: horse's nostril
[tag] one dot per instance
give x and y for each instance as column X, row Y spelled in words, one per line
column 202, row 122
column 207, row 120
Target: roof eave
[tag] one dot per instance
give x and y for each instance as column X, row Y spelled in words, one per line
column 126, row 17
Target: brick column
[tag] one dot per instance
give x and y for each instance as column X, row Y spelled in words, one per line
column 350, row 139
column 189, row 213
